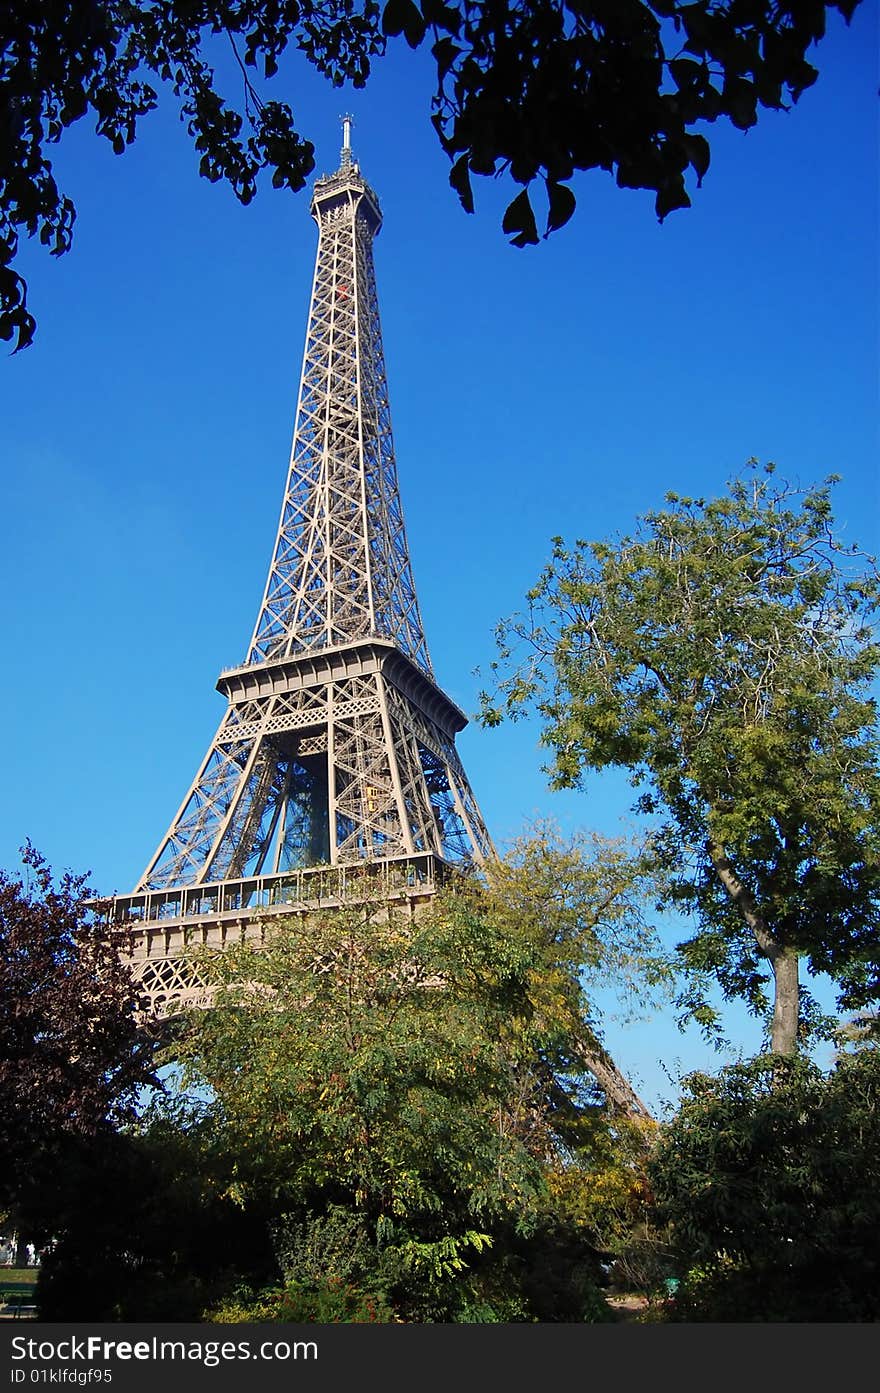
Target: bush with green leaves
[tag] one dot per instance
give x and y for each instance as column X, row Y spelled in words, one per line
column 321, row 1302
column 769, row 1178
column 548, row 1272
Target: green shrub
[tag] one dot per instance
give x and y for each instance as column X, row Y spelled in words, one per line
column 331, row 1302
column 769, row 1180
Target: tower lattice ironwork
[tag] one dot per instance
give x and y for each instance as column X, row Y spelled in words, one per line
column 337, row 746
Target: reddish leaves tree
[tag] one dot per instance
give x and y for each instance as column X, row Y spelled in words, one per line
column 72, row 1055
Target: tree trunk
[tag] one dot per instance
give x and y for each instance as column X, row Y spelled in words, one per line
column 783, row 1035
column 783, row 961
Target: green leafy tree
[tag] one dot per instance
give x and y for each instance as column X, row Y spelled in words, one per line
column 582, row 901
column 344, row 1076
column 769, row 1181
column 412, row 1076
column 724, row 655
column 537, row 89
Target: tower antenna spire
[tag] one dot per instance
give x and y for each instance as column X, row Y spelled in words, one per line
column 346, row 141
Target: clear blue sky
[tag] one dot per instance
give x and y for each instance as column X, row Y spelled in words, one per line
column 558, row 389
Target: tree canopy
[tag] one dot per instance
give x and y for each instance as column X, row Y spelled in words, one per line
column 532, row 89
column 724, row 656
column 406, row 1086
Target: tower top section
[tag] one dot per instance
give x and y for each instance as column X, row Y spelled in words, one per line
column 346, row 187
column 337, row 748
column 341, row 573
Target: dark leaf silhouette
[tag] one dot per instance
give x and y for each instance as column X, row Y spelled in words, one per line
column 528, row 89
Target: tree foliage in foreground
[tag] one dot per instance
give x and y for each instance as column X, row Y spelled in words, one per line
column 534, row 89
column 724, row 656
column 143, row 1227
column 397, row 1090
column 769, row 1178
column 72, row 1056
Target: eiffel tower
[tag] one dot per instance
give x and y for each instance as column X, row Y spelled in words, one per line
column 336, row 751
